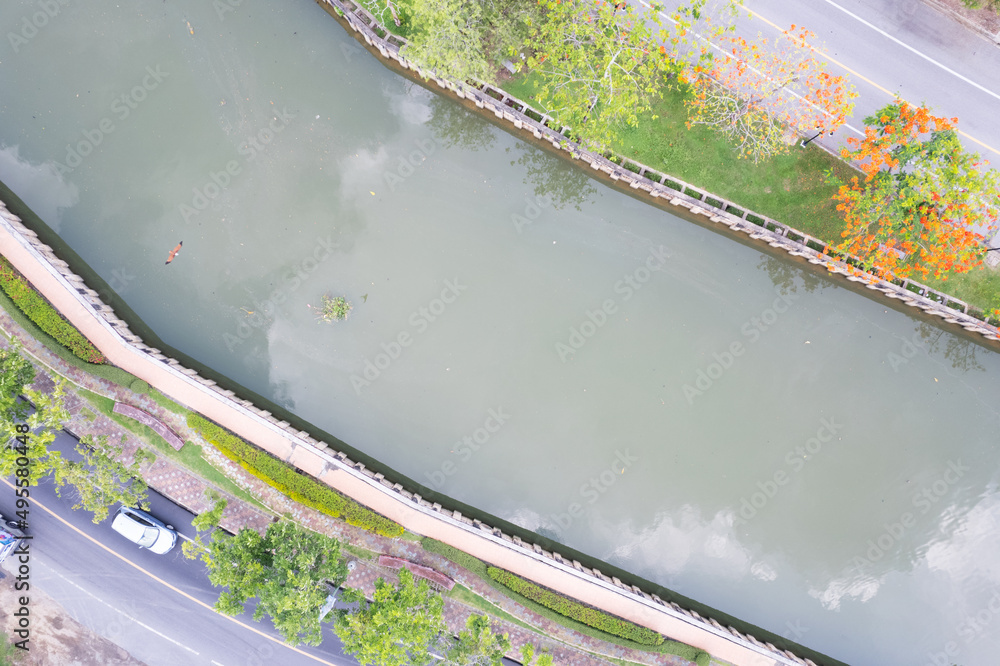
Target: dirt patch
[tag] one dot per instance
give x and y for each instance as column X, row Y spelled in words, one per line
column 56, row 638
column 985, row 21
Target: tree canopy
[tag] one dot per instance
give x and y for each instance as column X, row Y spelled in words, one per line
column 477, row 645
column 598, row 64
column 755, row 92
column 16, row 372
column 287, row 569
column 925, row 205
column 397, row 627
column 100, row 479
column 47, row 419
column 468, row 39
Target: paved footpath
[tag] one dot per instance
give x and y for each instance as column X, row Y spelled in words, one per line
column 189, row 490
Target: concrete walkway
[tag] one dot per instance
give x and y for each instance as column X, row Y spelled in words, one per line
column 485, row 545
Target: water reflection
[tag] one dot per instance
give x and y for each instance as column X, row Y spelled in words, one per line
column 787, row 277
column 549, row 177
column 961, row 352
column 454, row 127
column 41, row 186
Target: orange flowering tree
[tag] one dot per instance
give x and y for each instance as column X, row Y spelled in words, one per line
column 924, row 205
column 599, row 65
column 755, row 92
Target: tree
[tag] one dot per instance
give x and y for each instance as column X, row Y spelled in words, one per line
column 477, row 645
column 288, row 570
column 9, row 654
column 49, row 415
column 755, row 93
column 16, row 372
column 397, row 627
column 101, row 479
column 465, row 40
column 205, row 522
column 598, row 65
column 925, row 205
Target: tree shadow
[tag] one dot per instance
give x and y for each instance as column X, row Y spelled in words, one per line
column 961, row 353
column 550, row 177
column 787, row 277
column 456, row 127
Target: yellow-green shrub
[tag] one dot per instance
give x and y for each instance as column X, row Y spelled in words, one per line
column 297, row 486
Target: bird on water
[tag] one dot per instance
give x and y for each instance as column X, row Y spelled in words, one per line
column 173, row 252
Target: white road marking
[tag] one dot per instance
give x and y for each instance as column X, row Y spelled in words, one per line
column 751, row 67
column 913, row 50
column 145, row 626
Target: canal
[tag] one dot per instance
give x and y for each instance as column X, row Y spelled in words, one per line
column 523, row 339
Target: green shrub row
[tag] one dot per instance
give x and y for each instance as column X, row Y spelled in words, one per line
column 299, row 487
column 459, row 557
column 31, row 303
column 573, row 609
column 479, row 568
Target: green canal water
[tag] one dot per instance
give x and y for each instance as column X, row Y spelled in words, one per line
column 523, row 339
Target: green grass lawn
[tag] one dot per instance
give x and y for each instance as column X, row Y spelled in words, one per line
column 790, row 188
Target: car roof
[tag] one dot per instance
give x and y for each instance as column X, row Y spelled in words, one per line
column 125, row 525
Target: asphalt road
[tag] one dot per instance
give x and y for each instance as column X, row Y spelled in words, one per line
column 158, row 607
column 904, row 47
column 895, row 46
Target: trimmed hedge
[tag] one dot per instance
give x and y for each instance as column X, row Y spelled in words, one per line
column 480, row 568
column 459, row 557
column 299, row 487
column 575, row 610
column 32, row 304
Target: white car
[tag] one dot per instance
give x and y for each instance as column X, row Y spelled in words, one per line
column 139, row 527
